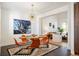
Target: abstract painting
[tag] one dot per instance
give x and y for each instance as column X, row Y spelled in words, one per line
column 22, row 26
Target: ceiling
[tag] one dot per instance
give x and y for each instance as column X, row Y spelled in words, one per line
column 62, row 15
column 39, row 7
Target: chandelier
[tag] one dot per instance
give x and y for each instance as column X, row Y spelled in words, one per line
column 32, row 14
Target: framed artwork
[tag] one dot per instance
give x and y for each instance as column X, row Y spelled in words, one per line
column 53, row 26
column 50, row 24
column 21, row 26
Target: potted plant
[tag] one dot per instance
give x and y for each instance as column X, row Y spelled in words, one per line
column 61, row 30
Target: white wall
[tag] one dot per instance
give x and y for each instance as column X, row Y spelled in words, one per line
column 0, row 26
column 62, row 21
column 71, row 27
column 7, row 24
column 57, row 19
column 52, row 12
column 45, row 24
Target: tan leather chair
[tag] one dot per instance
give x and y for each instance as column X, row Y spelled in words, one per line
column 35, row 42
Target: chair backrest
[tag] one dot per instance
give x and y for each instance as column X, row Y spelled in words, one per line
column 23, row 38
column 16, row 41
column 35, row 42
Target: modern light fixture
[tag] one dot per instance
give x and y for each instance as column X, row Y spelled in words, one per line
column 32, row 12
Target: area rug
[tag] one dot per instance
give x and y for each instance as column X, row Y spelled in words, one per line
column 18, row 51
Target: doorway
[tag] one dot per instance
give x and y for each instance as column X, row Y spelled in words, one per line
column 58, row 25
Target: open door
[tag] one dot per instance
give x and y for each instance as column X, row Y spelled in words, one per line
column 76, row 28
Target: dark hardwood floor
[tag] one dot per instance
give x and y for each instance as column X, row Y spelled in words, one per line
column 61, row 51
